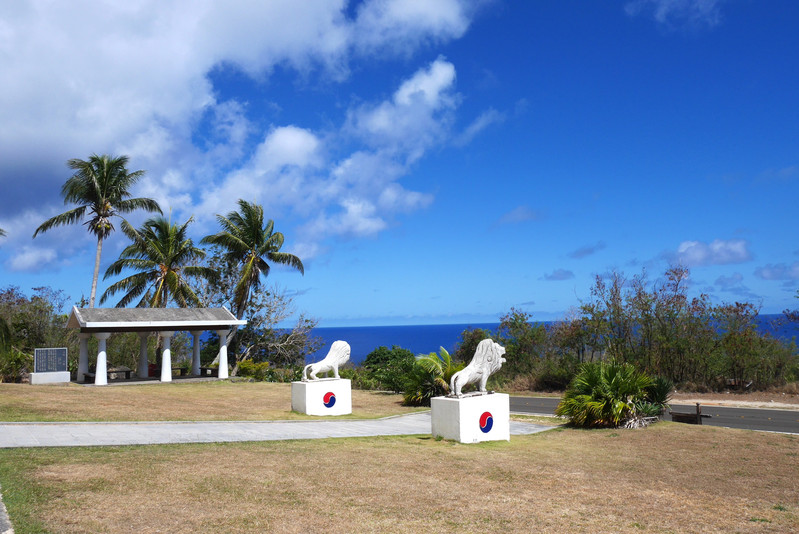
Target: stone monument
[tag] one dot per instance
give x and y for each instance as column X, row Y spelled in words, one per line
column 324, row 396
column 50, row 366
column 478, row 416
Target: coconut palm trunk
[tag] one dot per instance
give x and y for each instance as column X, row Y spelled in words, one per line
column 96, row 271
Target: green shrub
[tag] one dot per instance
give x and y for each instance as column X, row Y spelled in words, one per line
column 284, row 374
column 361, row 378
column 256, row 370
column 606, row 395
column 13, row 364
column 389, row 368
column 659, row 392
column 555, row 374
column 430, row 378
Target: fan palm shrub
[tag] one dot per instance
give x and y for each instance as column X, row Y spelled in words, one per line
column 430, row 377
column 606, row 395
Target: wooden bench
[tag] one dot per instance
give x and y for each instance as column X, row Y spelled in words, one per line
column 691, row 418
column 93, row 374
column 209, row 371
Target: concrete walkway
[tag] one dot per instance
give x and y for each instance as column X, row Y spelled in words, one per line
column 149, row 433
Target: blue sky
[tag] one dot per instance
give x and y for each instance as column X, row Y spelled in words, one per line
column 430, row 162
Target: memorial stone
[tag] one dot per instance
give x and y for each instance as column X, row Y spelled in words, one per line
column 50, row 366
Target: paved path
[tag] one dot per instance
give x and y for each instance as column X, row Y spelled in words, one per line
column 148, row 433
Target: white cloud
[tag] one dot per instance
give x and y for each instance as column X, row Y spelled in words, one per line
column 779, row 271
column 292, row 170
column 417, row 117
column 486, row 119
column 719, row 252
column 678, row 13
column 31, row 259
column 402, row 24
column 135, row 78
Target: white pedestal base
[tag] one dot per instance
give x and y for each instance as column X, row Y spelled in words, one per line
column 327, row 396
column 53, row 377
column 472, row 419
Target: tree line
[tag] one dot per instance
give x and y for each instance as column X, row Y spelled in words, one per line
column 628, row 326
column 657, row 328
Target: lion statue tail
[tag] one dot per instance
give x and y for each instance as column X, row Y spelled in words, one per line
column 305, row 372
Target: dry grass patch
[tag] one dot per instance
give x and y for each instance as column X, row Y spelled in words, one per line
column 199, row 401
column 667, row 478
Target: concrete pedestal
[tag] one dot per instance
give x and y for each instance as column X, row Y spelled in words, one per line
column 57, row 377
column 327, row 396
column 472, row 419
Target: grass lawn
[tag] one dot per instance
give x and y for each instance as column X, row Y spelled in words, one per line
column 667, row 478
column 187, row 401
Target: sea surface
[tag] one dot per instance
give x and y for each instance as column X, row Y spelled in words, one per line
column 423, row 339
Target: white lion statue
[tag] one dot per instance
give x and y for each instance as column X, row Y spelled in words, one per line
column 338, row 355
column 487, row 361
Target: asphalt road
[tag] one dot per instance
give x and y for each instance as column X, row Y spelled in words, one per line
column 745, row 418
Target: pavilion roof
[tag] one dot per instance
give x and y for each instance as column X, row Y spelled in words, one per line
column 90, row 320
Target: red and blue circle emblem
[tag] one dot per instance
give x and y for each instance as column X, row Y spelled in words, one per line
column 329, row 399
column 486, row 422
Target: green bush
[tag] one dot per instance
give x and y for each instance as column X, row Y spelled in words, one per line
column 659, row 392
column 256, row 370
column 606, row 395
column 13, row 364
column 389, row 368
column 361, row 378
column 430, row 378
column 555, row 374
column 284, row 374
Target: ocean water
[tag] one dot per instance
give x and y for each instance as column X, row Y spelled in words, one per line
column 423, row 339
column 419, row 339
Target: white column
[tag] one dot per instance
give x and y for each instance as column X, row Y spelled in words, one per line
column 83, row 357
column 223, row 372
column 166, row 357
column 143, row 370
column 195, row 355
column 101, row 369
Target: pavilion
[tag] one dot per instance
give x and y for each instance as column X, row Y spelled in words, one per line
column 102, row 322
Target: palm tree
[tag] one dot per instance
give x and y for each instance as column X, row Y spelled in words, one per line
column 100, row 186
column 164, row 258
column 2, row 232
column 250, row 244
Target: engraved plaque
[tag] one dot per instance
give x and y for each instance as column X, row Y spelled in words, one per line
column 50, row 360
